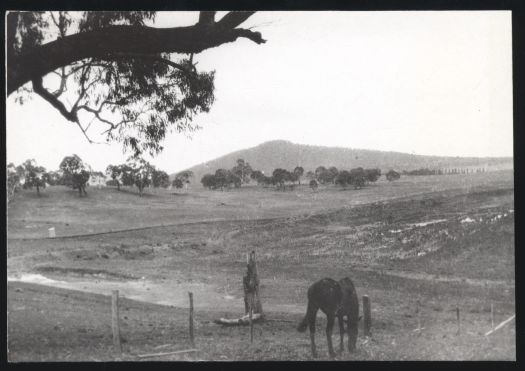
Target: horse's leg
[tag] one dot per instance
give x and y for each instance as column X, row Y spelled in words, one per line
column 330, row 319
column 340, row 320
column 352, row 332
column 311, row 313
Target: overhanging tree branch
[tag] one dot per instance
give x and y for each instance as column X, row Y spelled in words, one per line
column 41, row 60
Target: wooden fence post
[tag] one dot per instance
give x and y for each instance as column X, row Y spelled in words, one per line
column 418, row 310
column 251, row 319
column 492, row 316
column 192, row 339
column 367, row 315
column 459, row 321
column 115, row 325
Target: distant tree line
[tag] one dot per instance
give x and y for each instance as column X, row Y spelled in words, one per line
column 141, row 174
column 240, row 174
column 75, row 173
column 283, row 178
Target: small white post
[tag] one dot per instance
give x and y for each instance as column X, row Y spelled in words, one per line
column 51, row 232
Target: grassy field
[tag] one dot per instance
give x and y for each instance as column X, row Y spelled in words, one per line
column 442, row 241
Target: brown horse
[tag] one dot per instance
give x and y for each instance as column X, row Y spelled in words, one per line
column 335, row 299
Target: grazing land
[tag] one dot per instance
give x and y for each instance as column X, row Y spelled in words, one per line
column 444, row 242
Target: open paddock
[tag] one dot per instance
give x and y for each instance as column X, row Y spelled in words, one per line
column 442, row 241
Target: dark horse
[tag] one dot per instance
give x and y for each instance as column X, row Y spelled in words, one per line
column 335, row 299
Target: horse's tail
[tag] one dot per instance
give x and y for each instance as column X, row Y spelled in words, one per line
column 303, row 325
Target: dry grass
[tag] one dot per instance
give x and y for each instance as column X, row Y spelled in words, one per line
column 299, row 237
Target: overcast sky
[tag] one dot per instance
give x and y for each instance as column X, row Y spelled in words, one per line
column 434, row 83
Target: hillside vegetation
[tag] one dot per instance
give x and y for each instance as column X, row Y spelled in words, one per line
column 284, row 154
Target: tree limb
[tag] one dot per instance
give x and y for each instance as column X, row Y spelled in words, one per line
column 64, row 51
column 206, row 18
column 233, row 19
column 53, row 100
column 63, row 80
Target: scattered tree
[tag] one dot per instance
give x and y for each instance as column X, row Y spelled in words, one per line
column 358, row 178
column 344, row 178
column 221, row 178
column 121, row 175
column 319, row 172
column 182, row 178
column 208, row 181
column 372, row 175
column 34, row 175
column 258, row 176
column 298, row 172
column 392, row 175
column 242, row 170
column 14, row 175
column 280, row 176
column 142, row 172
column 75, row 173
column 53, row 178
column 160, row 179
column 115, row 173
column 332, row 174
column 178, row 183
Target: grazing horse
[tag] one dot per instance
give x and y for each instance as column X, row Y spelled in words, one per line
column 335, row 299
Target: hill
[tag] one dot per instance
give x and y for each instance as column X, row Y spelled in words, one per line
column 280, row 153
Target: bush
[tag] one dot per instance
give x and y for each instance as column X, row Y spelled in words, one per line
column 112, row 183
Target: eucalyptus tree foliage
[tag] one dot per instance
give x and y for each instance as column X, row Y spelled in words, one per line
column 242, row 170
column 160, row 179
column 182, row 178
column 142, row 173
column 121, row 175
column 75, row 173
column 34, row 175
column 116, row 72
column 14, row 176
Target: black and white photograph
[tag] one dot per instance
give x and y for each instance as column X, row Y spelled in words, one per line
column 271, row 185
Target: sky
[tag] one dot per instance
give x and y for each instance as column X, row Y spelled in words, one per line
column 429, row 83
